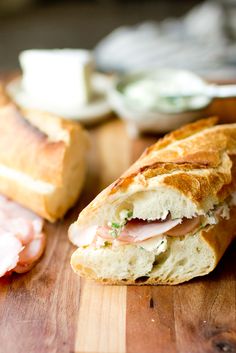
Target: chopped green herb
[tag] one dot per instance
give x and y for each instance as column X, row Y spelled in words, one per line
column 115, row 225
column 116, row 228
column 129, row 214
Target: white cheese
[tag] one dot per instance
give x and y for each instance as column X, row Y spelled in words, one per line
column 59, row 80
column 157, row 244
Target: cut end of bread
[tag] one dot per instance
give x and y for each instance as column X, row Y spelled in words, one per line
column 184, row 258
column 177, row 260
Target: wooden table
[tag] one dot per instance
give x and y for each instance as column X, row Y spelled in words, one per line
column 51, row 309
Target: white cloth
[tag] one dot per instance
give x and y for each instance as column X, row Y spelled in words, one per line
column 196, row 42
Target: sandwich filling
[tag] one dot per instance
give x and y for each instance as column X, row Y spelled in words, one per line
column 147, row 234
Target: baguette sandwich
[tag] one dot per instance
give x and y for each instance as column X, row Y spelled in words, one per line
column 42, row 159
column 169, row 218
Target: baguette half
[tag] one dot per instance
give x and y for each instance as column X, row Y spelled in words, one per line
column 42, row 160
column 189, row 174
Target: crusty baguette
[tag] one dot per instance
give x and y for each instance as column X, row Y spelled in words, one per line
column 42, row 160
column 187, row 173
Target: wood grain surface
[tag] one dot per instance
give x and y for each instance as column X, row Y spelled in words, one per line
column 51, row 309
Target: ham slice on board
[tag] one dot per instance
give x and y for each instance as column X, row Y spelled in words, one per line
column 22, row 241
column 10, row 247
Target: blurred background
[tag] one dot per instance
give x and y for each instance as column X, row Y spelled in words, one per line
column 198, row 35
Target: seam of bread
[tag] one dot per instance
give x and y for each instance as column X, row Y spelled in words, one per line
column 26, row 181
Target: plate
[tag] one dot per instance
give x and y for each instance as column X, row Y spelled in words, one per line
column 96, row 110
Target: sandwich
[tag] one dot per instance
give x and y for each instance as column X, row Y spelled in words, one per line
column 169, row 218
column 42, row 159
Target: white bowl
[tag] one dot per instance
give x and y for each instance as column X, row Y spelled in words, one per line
column 139, row 120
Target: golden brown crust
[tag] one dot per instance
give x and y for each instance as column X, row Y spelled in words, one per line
column 29, row 147
column 182, row 133
column 196, row 160
column 198, row 187
column 201, row 151
column 55, row 157
column 219, row 236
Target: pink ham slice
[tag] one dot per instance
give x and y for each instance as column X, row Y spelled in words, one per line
column 86, row 236
column 105, row 233
column 187, row 226
column 23, row 229
column 21, row 237
column 138, row 230
column 30, row 254
column 142, row 230
column 18, row 220
column 10, row 247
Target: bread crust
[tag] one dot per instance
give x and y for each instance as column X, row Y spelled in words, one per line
column 22, row 146
column 199, row 145
column 46, row 149
column 196, row 161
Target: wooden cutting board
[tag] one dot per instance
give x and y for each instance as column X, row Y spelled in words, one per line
column 51, row 309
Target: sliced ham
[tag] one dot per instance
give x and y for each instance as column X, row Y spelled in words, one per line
column 37, row 224
column 187, row 226
column 18, row 220
column 142, row 230
column 138, row 230
column 23, row 268
column 105, row 233
column 86, row 236
column 22, row 228
column 11, row 209
column 21, row 239
column 31, row 253
column 10, row 247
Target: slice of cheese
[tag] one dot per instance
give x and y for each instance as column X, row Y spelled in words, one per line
column 157, row 244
